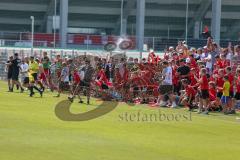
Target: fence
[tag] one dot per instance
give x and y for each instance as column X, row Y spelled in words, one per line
column 94, row 42
column 80, row 44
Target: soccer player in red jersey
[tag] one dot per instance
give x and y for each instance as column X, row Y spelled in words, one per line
column 102, row 80
column 237, row 83
column 189, row 96
column 41, row 77
column 193, row 63
column 212, row 91
column 219, row 61
column 224, row 61
column 152, row 57
column 75, row 87
column 214, row 101
column 175, row 56
column 204, row 94
column 216, row 69
column 192, row 76
column 219, row 82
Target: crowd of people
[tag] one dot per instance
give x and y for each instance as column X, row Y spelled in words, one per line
column 206, row 79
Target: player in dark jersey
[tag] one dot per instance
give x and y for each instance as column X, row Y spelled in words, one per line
column 15, row 64
column 88, row 76
column 9, row 72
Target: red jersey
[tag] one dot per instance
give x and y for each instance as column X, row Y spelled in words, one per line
column 152, row 58
column 215, row 71
column 231, row 79
column 190, row 91
column 219, row 83
column 192, row 79
column 224, row 63
column 238, row 84
column 204, row 83
column 138, row 81
column 176, row 58
column 150, row 70
column 102, row 76
column 219, row 63
column 193, row 63
column 76, row 78
column 212, row 94
column 158, row 59
column 174, row 75
column 146, row 77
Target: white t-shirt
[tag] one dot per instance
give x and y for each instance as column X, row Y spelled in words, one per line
column 203, row 56
column 167, row 73
column 65, row 74
column 229, row 56
column 24, row 68
column 209, row 62
column 82, row 72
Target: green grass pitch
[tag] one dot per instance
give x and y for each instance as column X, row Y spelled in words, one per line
column 30, row 130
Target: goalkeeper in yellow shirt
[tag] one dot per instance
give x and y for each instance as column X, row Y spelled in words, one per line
column 33, row 76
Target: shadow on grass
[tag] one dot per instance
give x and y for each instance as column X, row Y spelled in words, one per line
column 62, row 111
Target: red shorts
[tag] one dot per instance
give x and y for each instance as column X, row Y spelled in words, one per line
column 58, row 72
column 42, row 77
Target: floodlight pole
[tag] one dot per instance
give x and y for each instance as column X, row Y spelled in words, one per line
column 121, row 32
column 32, row 18
column 186, row 30
column 54, row 29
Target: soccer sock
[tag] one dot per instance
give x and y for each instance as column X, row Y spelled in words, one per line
column 37, row 88
column 41, row 85
column 31, row 89
column 88, row 99
column 79, row 97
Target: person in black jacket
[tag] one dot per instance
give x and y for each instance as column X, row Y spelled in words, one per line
column 9, row 72
column 15, row 64
column 88, row 76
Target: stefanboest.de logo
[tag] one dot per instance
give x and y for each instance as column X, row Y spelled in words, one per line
column 140, row 81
